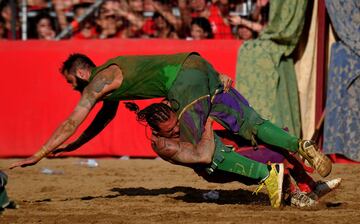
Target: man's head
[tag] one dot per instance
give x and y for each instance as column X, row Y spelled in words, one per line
column 161, row 118
column 76, row 70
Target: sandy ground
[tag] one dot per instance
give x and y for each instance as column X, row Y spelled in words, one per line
column 154, row 191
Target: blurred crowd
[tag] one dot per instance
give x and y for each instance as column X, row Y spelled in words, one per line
column 169, row 19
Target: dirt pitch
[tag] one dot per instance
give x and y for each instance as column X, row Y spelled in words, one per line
column 154, row 191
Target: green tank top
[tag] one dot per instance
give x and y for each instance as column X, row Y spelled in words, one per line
column 144, row 77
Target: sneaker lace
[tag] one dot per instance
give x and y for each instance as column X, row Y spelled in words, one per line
column 262, row 184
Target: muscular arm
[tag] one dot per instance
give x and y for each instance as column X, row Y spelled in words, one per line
column 184, row 152
column 104, row 83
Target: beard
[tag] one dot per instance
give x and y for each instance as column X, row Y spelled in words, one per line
column 80, row 84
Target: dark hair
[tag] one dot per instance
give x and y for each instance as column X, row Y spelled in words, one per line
column 84, row 5
column 157, row 15
column 153, row 114
column 204, row 24
column 75, row 61
column 3, row 4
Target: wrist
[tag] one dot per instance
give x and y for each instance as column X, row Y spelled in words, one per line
column 42, row 152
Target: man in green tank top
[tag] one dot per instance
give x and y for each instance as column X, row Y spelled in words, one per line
column 127, row 78
column 187, row 81
column 120, row 78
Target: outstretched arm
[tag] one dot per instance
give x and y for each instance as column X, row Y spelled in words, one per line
column 102, row 119
column 104, row 83
column 64, row 131
column 185, row 152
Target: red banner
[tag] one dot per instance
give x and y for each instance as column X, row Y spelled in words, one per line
column 36, row 99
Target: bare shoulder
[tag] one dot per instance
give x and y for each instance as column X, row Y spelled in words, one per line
column 107, row 80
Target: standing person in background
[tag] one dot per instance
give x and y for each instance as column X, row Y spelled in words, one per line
column 244, row 33
column 109, row 23
column 201, row 29
column 44, row 27
column 255, row 22
column 132, row 12
column 260, row 13
column 6, row 14
column 219, row 19
column 162, row 28
column 2, row 28
column 86, row 29
column 216, row 12
column 62, row 7
column 164, row 24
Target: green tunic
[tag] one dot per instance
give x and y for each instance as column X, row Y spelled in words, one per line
column 144, row 77
column 265, row 71
column 185, row 79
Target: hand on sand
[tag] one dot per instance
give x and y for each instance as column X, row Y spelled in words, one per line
column 25, row 162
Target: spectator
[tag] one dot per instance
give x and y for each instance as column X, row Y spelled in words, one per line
column 63, row 9
column 110, row 24
column 190, row 9
column 132, row 12
column 147, row 18
column 43, row 28
column 164, row 23
column 201, row 29
column 219, row 13
column 261, row 12
column 254, row 26
column 255, row 22
column 244, row 33
column 162, row 28
column 6, row 14
column 2, row 28
column 37, row 4
column 216, row 12
column 87, row 28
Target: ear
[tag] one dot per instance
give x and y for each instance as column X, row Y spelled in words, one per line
column 80, row 73
column 83, row 73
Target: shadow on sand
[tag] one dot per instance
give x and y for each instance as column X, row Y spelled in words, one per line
column 193, row 195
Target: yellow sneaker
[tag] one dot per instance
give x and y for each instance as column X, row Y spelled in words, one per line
column 318, row 160
column 274, row 183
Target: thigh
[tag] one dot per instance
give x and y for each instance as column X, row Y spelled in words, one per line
column 192, row 120
column 233, row 112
